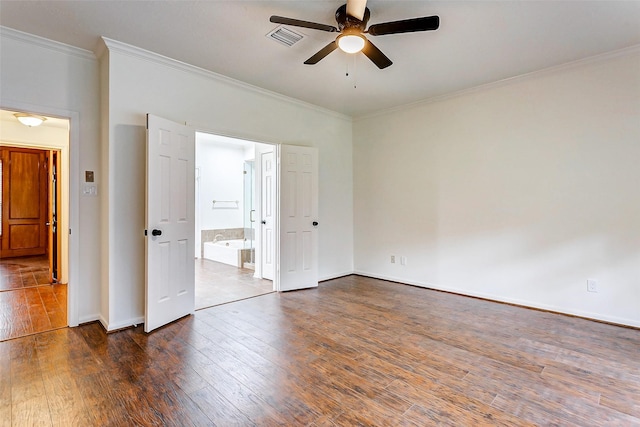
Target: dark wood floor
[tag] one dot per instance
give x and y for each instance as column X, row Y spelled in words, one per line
column 218, row 283
column 355, row 351
column 29, row 303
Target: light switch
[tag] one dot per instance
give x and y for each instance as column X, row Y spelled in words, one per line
column 90, row 190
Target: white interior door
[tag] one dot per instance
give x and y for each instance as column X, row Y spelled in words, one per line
column 298, row 249
column 267, row 212
column 170, row 221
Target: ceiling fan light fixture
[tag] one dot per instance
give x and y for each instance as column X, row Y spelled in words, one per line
column 30, row 120
column 351, row 43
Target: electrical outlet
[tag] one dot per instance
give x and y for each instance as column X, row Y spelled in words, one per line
column 403, row 260
column 592, row 285
column 393, row 259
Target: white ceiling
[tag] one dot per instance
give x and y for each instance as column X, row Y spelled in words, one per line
column 478, row 42
column 50, row 122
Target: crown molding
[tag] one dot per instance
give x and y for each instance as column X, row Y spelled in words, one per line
column 10, row 33
column 126, row 49
column 101, row 48
column 509, row 80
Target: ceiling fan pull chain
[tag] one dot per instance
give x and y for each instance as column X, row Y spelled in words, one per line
column 355, row 74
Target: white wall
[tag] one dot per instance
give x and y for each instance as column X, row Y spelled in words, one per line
column 55, row 79
column 140, row 83
column 221, row 178
column 518, row 192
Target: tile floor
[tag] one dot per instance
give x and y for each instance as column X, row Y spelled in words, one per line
column 218, row 283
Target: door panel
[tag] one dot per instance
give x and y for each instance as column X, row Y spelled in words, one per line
column 24, row 236
column 299, row 216
column 170, row 222
column 25, row 202
column 267, row 160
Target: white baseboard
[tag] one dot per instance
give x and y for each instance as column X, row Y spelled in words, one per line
column 88, row 319
column 121, row 325
column 335, row 276
column 515, row 301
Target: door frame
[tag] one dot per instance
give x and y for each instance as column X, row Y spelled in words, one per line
column 70, row 220
column 277, row 146
column 276, row 150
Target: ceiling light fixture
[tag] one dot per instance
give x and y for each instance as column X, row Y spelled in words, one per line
column 30, row 120
column 351, row 43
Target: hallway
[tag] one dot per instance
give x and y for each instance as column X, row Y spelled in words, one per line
column 29, row 304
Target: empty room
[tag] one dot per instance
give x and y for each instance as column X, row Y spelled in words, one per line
column 441, row 200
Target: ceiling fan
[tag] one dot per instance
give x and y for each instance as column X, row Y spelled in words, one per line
column 352, row 21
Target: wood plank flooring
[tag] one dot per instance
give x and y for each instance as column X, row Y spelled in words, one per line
column 218, row 283
column 354, row 352
column 28, row 302
column 24, row 272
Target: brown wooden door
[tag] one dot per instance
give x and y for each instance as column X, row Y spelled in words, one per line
column 24, row 202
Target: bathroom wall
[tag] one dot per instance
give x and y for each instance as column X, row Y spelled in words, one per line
column 221, row 166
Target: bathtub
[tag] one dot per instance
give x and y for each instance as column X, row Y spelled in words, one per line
column 225, row 251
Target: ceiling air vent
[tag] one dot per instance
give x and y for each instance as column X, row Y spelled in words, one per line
column 285, row 36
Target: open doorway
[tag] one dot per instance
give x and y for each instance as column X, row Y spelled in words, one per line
column 174, row 177
column 234, row 201
column 33, row 260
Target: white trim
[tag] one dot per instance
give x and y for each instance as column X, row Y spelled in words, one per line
column 203, row 128
column 46, row 43
column 73, row 256
column 505, row 82
column 103, row 322
column 123, row 324
column 136, row 52
column 336, row 276
column 497, row 298
column 277, row 151
column 90, row 318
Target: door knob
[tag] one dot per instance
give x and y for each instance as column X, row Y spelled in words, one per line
column 156, row 232
column 264, row 221
column 315, row 223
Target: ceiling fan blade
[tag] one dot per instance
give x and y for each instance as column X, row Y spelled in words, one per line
column 426, row 23
column 304, row 24
column 322, row 53
column 375, row 55
column 356, row 8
